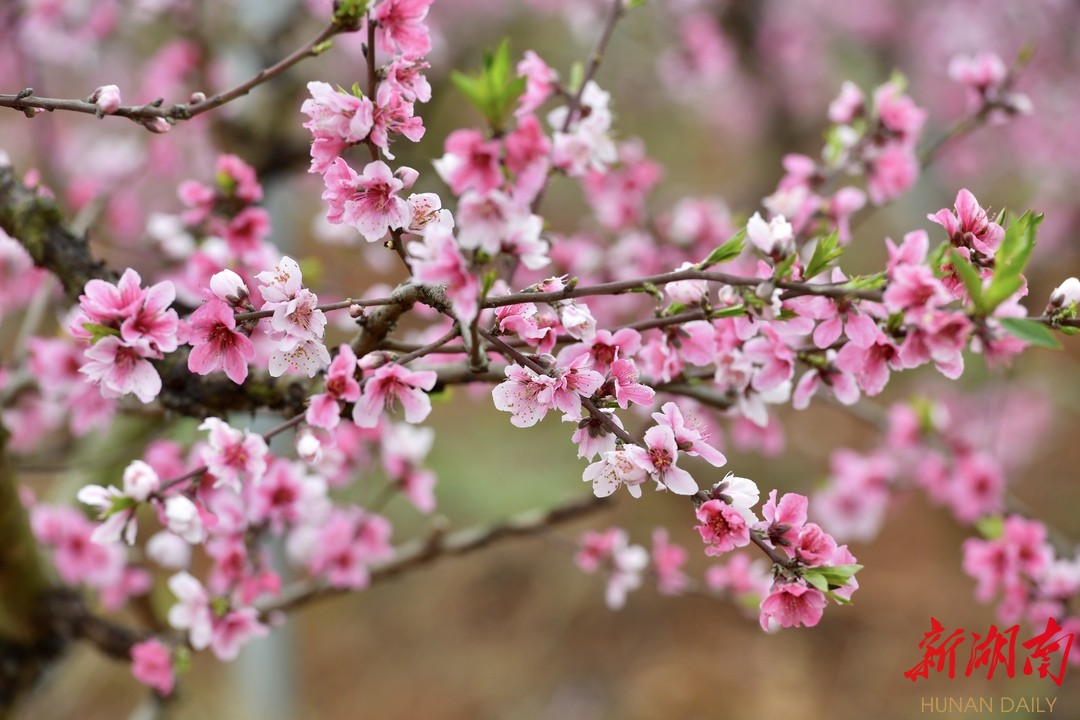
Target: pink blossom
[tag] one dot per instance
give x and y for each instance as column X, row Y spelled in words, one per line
column 891, row 173
column 625, row 562
column 337, row 120
column 216, row 344
column 814, row 546
column 870, row 366
column 842, row 385
column 368, row 202
column 108, row 304
column 400, row 25
column 978, row 488
column 192, row 611
column 246, row 233
column 614, row 468
column 182, row 518
column 237, row 179
column 405, row 77
column 470, row 162
column 438, row 260
column 617, row 195
column 668, row 559
column 740, row 577
column 981, row 72
column 627, row 389
column 120, row 370
column 688, row 292
column 723, row 527
column 540, row 82
column 577, row 320
column 528, row 151
column 774, row 238
column 784, row 520
column 848, row 105
column 585, row 144
column 691, row 436
column 234, row 630
column 343, row 547
column 970, row 226
column 390, row 383
column 525, row 394
column 427, row 212
column 571, row 383
column 403, row 449
column 151, row 664
column 659, row 457
column 324, row 409
column 792, row 605
column 898, row 112
column 232, row 453
column 394, row 116
column 286, row 496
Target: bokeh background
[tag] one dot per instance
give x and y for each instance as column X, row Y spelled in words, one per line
column 516, row 631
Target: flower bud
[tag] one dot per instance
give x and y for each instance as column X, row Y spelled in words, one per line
column 157, row 125
column 107, row 99
column 229, row 286
column 182, row 518
column 140, row 481
column 1066, row 294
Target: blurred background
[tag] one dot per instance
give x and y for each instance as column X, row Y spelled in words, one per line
column 719, row 91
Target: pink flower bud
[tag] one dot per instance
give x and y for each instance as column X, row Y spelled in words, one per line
column 140, row 481
column 107, row 99
column 197, row 97
column 229, row 286
column 157, row 125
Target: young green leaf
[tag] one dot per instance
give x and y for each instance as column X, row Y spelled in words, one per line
column 1011, row 259
column 826, row 250
column 726, row 252
column 969, row 276
column 1031, row 331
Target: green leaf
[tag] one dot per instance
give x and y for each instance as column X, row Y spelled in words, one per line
column 866, row 282
column 836, row 598
column 350, row 12
column 98, row 332
column 826, row 250
column 991, row 527
column 474, row 90
column 732, row 311
column 782, row 271
column 1031, row 331
column 577, row 77
column 726, row 252
column 970, row 277
column 495, row 89
column 1011, row 259
column 488, row 282
column 936, row 259
column 816, row 580
column 673, row 309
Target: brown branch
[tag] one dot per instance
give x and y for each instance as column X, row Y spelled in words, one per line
column 27, row 101
column 35, row 221
column 439, row 545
